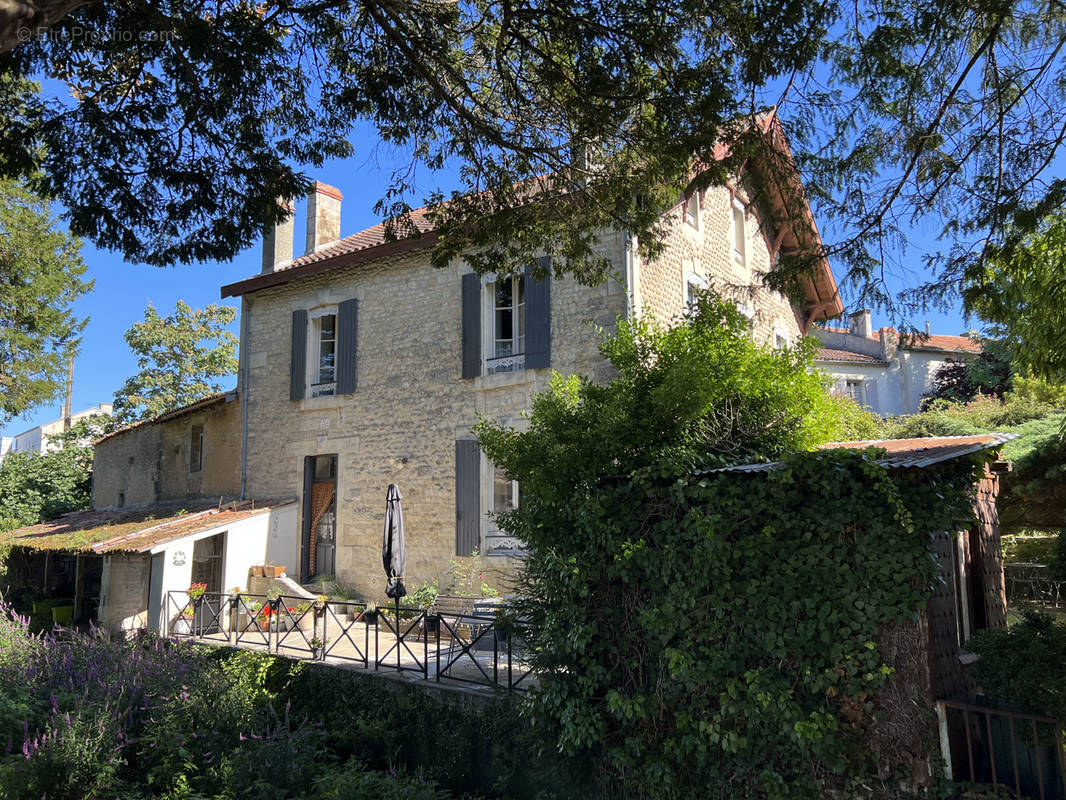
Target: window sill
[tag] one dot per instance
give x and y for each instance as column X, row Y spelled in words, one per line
column 503, row 379
column 319, row 403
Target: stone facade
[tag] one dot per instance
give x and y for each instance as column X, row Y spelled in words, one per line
column 151, row 462
column 706, row 250
column 411, row 402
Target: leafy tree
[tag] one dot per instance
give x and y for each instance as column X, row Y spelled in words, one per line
column 40, row 486
column 179, row 357
column 899, row 109
column 1022, row 288
column 989, row 373
column 40, row 277
column 709, row 633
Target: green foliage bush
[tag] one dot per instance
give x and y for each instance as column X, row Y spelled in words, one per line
column 704, row 633
column 41, row 486
column 1023, row 665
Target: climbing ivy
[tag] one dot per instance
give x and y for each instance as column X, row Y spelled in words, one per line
column 706, row 633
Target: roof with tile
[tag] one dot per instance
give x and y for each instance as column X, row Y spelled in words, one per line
column 831, row 354
column 133, row 530
column 923, row 341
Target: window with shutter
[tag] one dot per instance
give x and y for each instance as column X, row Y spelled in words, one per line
column 506, row 323
column 324, row 348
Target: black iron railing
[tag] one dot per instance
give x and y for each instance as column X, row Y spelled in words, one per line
column 472, row 648
column 1033, row 583
column 1022, row 753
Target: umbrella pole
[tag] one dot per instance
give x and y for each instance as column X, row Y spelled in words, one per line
column 398, row 638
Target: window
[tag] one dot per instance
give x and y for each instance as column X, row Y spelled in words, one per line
column 196, row 448
column 739, row 240
column 856, row 390
column 781, row 341
column 694, row 284
column 692, row 209
column 503, row 496
column 506, row 331
column 323, row 355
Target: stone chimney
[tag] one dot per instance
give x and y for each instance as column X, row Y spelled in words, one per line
column 323, row 216
column 862, row 323
column 277, row 243
column 889, row 343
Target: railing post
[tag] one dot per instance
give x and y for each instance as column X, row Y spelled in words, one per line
column 437, row 627
column 945, row 740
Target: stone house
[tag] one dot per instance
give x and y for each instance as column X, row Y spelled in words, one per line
column 882, row 370
column 166, row 513
column 38, row 438
column 362, row 365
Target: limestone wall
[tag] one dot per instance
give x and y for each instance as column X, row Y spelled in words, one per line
column 410, row 404
column 707, row 251
column 124, row 592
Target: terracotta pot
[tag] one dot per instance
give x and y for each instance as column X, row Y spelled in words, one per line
column 273, row 571
column 257, row 572
column 264, row 623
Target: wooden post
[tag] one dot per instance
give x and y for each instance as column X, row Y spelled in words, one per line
column 79, row 586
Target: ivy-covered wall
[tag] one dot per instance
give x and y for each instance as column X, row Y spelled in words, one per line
column 744, row 635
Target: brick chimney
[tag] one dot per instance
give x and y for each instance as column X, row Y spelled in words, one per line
column 323, row 216
column 862, row 323
column 277, row 242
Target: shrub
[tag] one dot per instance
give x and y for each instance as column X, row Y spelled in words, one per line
column 1023, row 664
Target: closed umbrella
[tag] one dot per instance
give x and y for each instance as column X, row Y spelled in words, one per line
column 393, row 548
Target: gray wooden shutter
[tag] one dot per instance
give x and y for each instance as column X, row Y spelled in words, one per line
column 298, row 358
column 872, row 401
column 347, row 330
column 538, row 318
column 467, row 496
column 471, row 326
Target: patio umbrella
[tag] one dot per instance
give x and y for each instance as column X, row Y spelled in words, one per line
column 393, row 548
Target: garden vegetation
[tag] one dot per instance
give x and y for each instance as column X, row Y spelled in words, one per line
column 707, row 633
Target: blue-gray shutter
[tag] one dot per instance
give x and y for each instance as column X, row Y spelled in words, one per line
column 538, row 317
column 471, row 318
column 467, row 496
column 347, row 330
column 298, row 358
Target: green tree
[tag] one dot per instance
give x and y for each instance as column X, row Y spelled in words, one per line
column 1022, row 288
column 40, row 278
column 179, row 357
column 40, row 486
column 901, row 109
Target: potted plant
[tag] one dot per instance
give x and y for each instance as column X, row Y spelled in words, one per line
column 318, row 648
column 196, row 590
column 182, row 623
column 370, row 614
column 305, row 616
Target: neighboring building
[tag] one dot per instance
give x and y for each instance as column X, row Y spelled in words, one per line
column 37, row 439
column 882, row 370
column 165, row 515
column 194, row 451
column 362, row 365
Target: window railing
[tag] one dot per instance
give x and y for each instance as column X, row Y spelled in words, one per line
column 513, row 363
column 323, row 389
column 498, row 543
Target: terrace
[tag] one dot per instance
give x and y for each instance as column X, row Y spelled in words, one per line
column 482, row 648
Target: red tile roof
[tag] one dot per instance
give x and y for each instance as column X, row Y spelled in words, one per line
column 921, row 341
column 133, row 530
column 830, row 354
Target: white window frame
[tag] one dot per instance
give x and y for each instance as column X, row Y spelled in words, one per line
column 693, row 280
column 739, row 232
column 782, row 341
column 495, row 542
column 314, row 344
column 690, row 210
column 515, row 362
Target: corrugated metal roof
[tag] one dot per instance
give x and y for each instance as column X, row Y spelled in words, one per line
column 903, row 453
column 133, row 530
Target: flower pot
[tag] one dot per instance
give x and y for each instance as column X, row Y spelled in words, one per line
column 273, row 571
column 182, row 626
column 257, row 572
column 263, row 622
column 307, row 622
column 62, row 615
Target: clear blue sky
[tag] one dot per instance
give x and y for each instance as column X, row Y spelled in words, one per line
column 124, row 290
